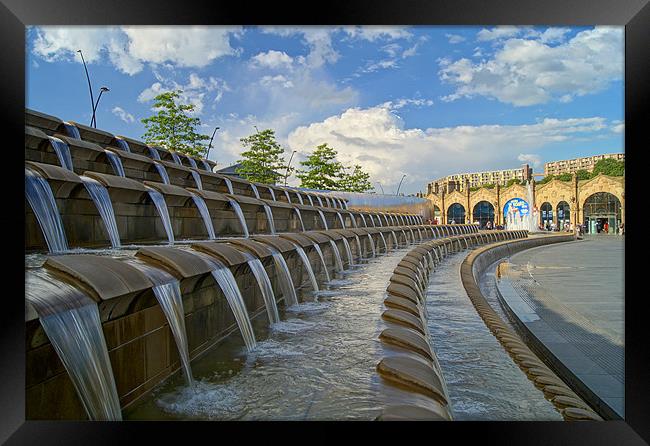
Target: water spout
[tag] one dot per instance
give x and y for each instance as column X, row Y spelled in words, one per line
column 265, row 286
column 205, row 215
column 322, row 259
column 163, row 212
column 322, row 217
column 102, row 201
column 116, row 163
column 305, row 261
column 240, row 216
column 122, row 144
column 162, row 171
column 41, row 199
column 62, row 152
column 282, row 269
column 302, row 225
column 337, row 256
column 269, row 218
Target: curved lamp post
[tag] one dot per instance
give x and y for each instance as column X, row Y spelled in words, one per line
column 400, row 184
column 286, row 175
column 101, row 90
column 90, row 88
column 210, row 144
column 382, row 189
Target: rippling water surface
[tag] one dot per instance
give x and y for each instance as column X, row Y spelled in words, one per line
column 482, row 380
column 317, row 364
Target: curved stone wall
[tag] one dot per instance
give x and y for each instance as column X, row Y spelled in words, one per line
column 415, row 386
column 570, row 405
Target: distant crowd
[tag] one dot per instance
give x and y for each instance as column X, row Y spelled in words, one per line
column 601, row 228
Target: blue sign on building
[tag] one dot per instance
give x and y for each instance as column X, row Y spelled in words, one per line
column 517, row 206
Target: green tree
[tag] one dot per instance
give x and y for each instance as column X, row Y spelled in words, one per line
column 546, row 179
column 264, row 158
column 513, row 181
column 322, row 169
column 489, row 186
column 564, row 177
column 356, row 181
column 583, row 174
column 609, row 166
column 172, row 127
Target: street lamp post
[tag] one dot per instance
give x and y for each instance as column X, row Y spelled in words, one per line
column 101, row 90
column 400, row 184
column 90, row 88
column 382, row 189
column 286, row 175
column 210, row 144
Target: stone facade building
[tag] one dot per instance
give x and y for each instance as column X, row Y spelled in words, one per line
column 572, row 166
column 595, row 201
column 459, row 182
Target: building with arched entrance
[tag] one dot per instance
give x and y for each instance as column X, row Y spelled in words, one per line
column 595, row 201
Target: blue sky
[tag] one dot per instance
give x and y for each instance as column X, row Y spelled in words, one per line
column 420, row 101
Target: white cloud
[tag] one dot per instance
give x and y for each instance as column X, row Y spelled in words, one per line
column 455, row 38
column 530, row 158
column 618, row 127
column 373, row 33
column 268, row 81
column 499, row 32
column 123, row 115
column 526, row 72
column 377, row 139
column 403, row 102
column 194, row 92
column 129, row 48
column 272, row 59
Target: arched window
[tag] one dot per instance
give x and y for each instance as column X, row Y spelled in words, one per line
column 437, row 215
column 546, row 214
column 602, row 213
column 456, row 213
column 563, row 214
column 483, row 212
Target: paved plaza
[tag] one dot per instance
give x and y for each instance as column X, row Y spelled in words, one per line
column 570, row 297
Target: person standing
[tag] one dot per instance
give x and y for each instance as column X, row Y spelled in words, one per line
column 606, row 228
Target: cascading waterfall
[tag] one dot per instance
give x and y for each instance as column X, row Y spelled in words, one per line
column 286, row 194
column 372, row 245
column 72, row 323
column 300, row 198
column 272, row 194
column 322, row 259
column 229, row 185
column 348, row 251
column 322, row 217
column 205, row 215
column 192, row 162
column 363, row 219
column 163, row 212
column 269, row 218
column 302, row 225
column 305, row 260
column 122, row 144
column 282, row 269
column 240, row 215
column 341, row 219
column 383, row 239
column 176, row 158
column 255, row 191
column 206, row 166
column 406, row 239
column 337, row 256
column 72, row 130
column 356, row 237
column 168, row 294
column 265, row 286
column 311, row 201
column 412, row 234
column 116, row 163
column 354, row 221
column 395, row 238
column 153, row 153
column 102, row 200
column 62, row 151
column 197, row 179
column 41, row 199
column 162, row 171
column 226, row 281
column 320, row 201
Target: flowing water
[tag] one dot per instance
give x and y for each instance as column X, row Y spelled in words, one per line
column 192, row 162
column 197, row 179
column 483, row 381
column 372, row 245
column 305, row 260
column 337, row 256
column 240, row 216
column 383, row 239
column 363, row 219
column 153, row 153
column 163, row 212
column 302, row 225
column 341, row 220
column 322, row 218
column 282, row 270
column 72, row 130
column 62, row 152
column 40, row 198
column 72, row 323
column 322, row 259
column 176, row 158
column 255, row 191
column 269, row 218
column 311, row 200
column 102, row 201
column 272, row 194
column 265, row 286
column 122, row 144
column 348, row 251
column 206, row 166
column 116, row 163
column 205, row 215
column 162, row 171
column 168, row 294
column 286, row 194
column 229, row 185
column 318, row 364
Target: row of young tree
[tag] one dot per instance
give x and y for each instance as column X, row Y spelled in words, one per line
column 173, row 127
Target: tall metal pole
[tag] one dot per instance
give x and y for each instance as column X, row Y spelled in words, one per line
column 210, row 144
column 90, row 88
column 400, row 184
column 286, row 175
column 382, row 188
column 101, row 90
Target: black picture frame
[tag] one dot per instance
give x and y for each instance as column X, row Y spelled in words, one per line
column 16, row 14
